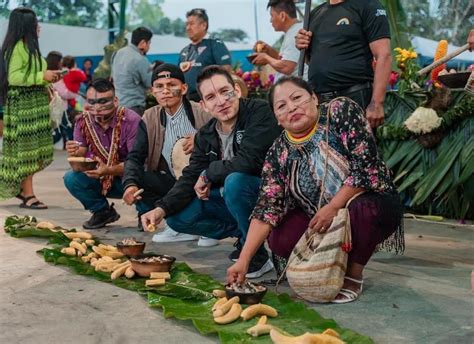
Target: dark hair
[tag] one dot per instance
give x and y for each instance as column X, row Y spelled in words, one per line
column 69, row 61
column 101, row 85
column 208, row 72
column 53, row 60
column 22, row 25
column 141, row 33
column 292, row 79
column 200, row 13
column 287, row 6
column 87, row 60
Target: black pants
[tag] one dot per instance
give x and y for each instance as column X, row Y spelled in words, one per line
column 361, row 97
column 156, row 185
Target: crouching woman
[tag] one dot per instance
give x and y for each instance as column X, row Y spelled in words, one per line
column 326, row 151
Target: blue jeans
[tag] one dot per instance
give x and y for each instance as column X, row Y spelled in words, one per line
column 89, row 190
column 221, row 216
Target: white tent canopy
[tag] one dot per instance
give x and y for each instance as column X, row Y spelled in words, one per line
column 427, row 48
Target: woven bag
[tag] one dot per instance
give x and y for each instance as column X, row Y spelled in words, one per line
column 318, row 263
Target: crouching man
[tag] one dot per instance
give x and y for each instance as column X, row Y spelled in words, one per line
column 106, row 133
column 150, row 166
column 219, row 188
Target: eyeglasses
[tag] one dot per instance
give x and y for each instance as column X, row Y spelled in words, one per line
column 284, row 108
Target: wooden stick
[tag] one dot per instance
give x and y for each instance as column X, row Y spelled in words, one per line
column 443, row 60
column 307, row 11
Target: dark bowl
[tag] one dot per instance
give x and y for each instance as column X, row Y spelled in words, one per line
column 250, row 57
column 144, row 269
column 454, row 80
column 247, row 298
column 81, row 166
column 131, row 250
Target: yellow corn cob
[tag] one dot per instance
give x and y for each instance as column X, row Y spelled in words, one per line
column 441, row 52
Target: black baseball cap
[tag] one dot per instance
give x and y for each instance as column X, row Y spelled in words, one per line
column 172, row 70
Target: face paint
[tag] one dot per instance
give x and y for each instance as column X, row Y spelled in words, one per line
column 176, row 93
column 97, row 105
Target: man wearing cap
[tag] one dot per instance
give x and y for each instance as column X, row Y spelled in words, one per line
column 202, row 51
column 149, row 164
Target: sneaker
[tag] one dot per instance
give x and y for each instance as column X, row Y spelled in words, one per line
column 260, row 264
column 207, row 242
column 102, row 217
column 169, row 235
column 235, row 254
column 258, row 270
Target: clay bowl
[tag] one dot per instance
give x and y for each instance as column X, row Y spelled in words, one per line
column 131, row 250
column 247, row 298
column 144, row 269
column 79, row 164
column 454, row 80
column 250, row 57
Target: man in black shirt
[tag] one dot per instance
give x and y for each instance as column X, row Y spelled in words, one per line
column 218, row 190
column 343, row 39
column 201, row 52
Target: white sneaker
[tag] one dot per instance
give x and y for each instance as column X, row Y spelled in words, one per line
column 207, row 242
column 256, row 272
column 169, row 235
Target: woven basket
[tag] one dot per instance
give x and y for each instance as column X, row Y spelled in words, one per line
column 430, row 140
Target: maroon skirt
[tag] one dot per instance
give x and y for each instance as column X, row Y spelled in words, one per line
column 376, row 219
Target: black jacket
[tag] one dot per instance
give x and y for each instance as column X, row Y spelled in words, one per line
column 255, row 131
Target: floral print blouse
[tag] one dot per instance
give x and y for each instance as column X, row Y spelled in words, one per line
column 343, row 153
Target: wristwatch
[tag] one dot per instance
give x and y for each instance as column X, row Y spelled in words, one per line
column 203, row 177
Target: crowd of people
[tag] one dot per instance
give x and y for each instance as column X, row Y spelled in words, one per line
column 209, row 161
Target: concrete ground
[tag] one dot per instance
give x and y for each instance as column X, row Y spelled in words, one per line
column 422, row 297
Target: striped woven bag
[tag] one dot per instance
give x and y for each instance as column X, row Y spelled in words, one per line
column 318, row 263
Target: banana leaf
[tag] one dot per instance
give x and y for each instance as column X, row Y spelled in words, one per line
column 294, row 318
column 188, row 296
column 438, row 171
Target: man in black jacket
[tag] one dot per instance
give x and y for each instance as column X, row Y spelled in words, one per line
column 219, row 188
column 149, row 165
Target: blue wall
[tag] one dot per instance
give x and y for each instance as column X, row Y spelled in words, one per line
column 237, row 56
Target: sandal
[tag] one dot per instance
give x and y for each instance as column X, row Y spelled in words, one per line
column 20, row 197
column 348, row 294
column 34, row 205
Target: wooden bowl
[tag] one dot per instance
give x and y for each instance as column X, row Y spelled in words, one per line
column 80, row 164
column 247, row 298
column 144, row 269
column 454, row 80
column 131, row 250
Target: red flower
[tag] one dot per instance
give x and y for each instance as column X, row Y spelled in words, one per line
column 393, row 79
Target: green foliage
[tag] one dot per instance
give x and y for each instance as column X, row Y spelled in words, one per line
column 230, row 35
column 178, row 27
column 68, row 12
column 447, row 19
column 438, row 180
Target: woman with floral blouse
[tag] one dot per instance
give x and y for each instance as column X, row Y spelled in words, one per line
column 333, row 142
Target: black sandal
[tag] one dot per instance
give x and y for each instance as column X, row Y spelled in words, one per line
column 34, row 205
